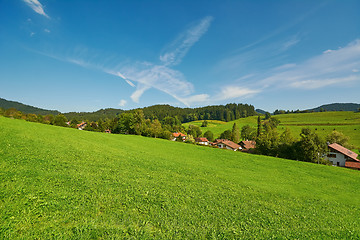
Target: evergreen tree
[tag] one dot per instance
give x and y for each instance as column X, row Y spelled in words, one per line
column 258, row 126
column 235, row 134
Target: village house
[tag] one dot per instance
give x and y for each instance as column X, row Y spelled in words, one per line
column 81, row 126
column 107, row 131
column 202, row 141
column 225, row 143
column 176, row 135
column 342, row 157
column 247, row 146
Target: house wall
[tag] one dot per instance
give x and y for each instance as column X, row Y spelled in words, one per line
column 227, row 147
column 337, row 158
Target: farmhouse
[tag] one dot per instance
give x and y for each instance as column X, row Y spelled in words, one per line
column 342, row 157
column 81, row 126
column 224, row 143
column 175, row 135
column 202, row 141
column 247, row 146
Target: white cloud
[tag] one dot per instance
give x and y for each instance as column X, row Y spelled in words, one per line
column 120, row 75
column 290, row 43
column 320, row 71
column 196, row 99
column 314, row 84
column 162, row 78
column 130, row 82
column 47, row 30
column 328, row 51
column 178, row 49
column 122, row 103
column 140, row 89
column 37, row 7
column 232, row 92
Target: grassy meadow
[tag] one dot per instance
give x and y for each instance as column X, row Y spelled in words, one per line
column 323, row 123
column 62, row 183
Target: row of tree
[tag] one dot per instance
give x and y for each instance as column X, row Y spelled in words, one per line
column 228, row 112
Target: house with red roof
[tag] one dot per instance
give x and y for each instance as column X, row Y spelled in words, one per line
column 247, row 146
column 343, row 157
column 225, row 143
column 81, row 126
column 176, row 135
column 202, row 141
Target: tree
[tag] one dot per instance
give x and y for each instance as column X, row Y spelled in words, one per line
column 235, row 134
column 209, row 135
column 339, row 138
column 49, row 119
column 204, row 123
column 155, row 128
column 267, row 115
column 286, row 148
column 258, row 126
column 268, row 141
column 194, row 131
column 60, row 120
column 311, row 147
column 247, row 133
column 226, row 134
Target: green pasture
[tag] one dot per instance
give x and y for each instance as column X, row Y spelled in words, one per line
column 323, row 123
column 62, row 183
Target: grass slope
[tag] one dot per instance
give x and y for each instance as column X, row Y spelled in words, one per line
column 64, row 183
column 322, row 122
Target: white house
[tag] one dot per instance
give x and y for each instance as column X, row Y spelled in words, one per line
column 176, row 135
column 224, row 143
column 202, row 141
column 342, row 157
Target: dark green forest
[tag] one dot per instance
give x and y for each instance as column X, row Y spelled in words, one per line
column 6, row 104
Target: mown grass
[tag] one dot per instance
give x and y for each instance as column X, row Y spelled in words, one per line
column 60, row 183
column 323, row 123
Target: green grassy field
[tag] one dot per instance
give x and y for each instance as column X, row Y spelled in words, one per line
column 323, row 123
column 61, row 183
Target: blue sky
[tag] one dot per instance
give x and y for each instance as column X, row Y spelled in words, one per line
column 86, row 55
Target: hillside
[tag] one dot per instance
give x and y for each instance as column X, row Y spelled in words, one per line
column 322, row 122
column 109, row 113
column 354, row 107
column 6, row 104
column 65, row 183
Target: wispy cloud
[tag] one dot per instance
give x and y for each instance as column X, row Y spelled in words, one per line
column 122, row 103
column 37, row 7
column 329, row 68
column 178, row 49
column 233, row 92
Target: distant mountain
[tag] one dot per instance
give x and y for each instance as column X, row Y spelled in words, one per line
column 6, row 104
column 260, row 111
column 109, row 113
column 337, row 107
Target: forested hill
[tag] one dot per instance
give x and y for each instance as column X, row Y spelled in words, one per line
column 109, row 113
column 6, row 104
column 228, row 112
column 337, row 107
